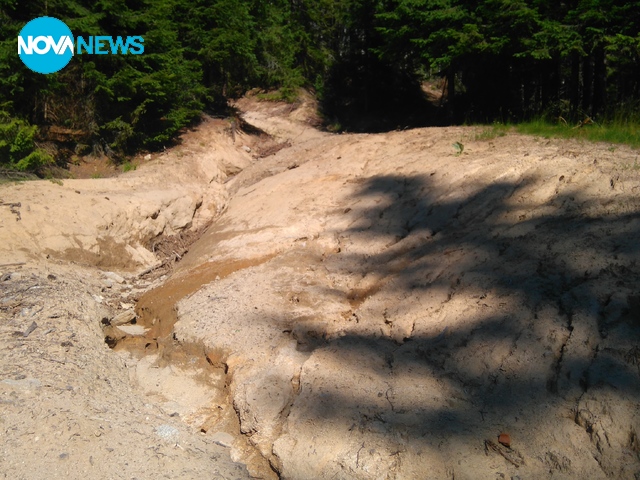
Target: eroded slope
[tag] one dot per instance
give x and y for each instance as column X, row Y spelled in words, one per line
column 419, row 303
column 372, row 306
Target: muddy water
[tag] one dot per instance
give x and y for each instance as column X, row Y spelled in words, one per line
column 159, row 349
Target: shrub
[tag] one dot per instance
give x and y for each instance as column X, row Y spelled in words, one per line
column 18, row 149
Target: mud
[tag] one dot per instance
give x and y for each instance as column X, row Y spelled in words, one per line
column 72, row 408
column 158, row 348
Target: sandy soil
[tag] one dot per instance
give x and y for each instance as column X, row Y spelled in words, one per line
column 361, row 306
column 71, row 407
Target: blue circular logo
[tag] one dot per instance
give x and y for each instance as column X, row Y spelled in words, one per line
column 45, row 45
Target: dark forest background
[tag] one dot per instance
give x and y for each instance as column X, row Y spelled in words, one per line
column 366, row 60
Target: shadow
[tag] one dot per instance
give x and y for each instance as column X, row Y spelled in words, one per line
column 376, row 99
column 560, row 245
column 493, row 310
column 431, row 320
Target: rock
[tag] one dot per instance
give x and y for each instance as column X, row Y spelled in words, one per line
column 23, row 383
column 132, row 330
column 140, row 255
column 29, row 330
column 179, row 213
column 223, row 439
column 167, row 433
column 114, row 276
column 505, row 439
column 123, row 318
column 112, row 335
column 147, row 156
column 246, row 149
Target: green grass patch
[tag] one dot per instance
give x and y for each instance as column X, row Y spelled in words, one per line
column 57, row 181
column 128, row 166
column 618, row 132
column 287, row 95
column 492, row 132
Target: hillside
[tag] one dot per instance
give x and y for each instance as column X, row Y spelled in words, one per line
column 355, row 306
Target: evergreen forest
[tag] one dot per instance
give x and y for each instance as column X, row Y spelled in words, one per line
column 366, row 61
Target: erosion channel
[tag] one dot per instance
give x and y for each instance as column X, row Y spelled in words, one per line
column 345, row 306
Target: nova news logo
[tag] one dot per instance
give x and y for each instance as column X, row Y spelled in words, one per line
column 46, row 45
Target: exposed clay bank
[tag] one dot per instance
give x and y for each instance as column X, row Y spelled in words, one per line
column 378, row 306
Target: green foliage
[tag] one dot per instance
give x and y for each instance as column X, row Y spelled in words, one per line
column 492, row 132
column 17, row 146
column 513, row 59
column 503, row 60
column 128, row 166
column 616, row 132
column 124, row 101
column 281, row 95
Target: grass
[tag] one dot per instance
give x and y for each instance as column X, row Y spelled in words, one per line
column 618, row 132
column 615, row 132
column 287, row 95
column 128, row 166
column 489, row 133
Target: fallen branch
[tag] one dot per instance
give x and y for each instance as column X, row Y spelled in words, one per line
column 61, row 362
column 586, row 121
column 150, row 269
column 510, row 455
column 7, row 265
column 10, row 305
column 29, row 330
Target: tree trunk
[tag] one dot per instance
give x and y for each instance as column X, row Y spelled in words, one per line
column 587, row 83
column 599, row 81
column 574, row 85
column 450, row 83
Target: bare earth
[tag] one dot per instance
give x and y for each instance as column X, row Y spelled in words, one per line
column 358, row 306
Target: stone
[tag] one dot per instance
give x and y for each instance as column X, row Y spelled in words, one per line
column 223, row 439
column 505, row 439
column 123, row 318
column 115, row 277
column 167, row 433
column 132, row 330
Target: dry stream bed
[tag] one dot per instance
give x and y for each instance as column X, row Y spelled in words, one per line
column 187, row 379
column 360, row 306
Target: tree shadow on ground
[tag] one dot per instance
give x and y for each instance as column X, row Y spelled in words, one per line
column 492, row 310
